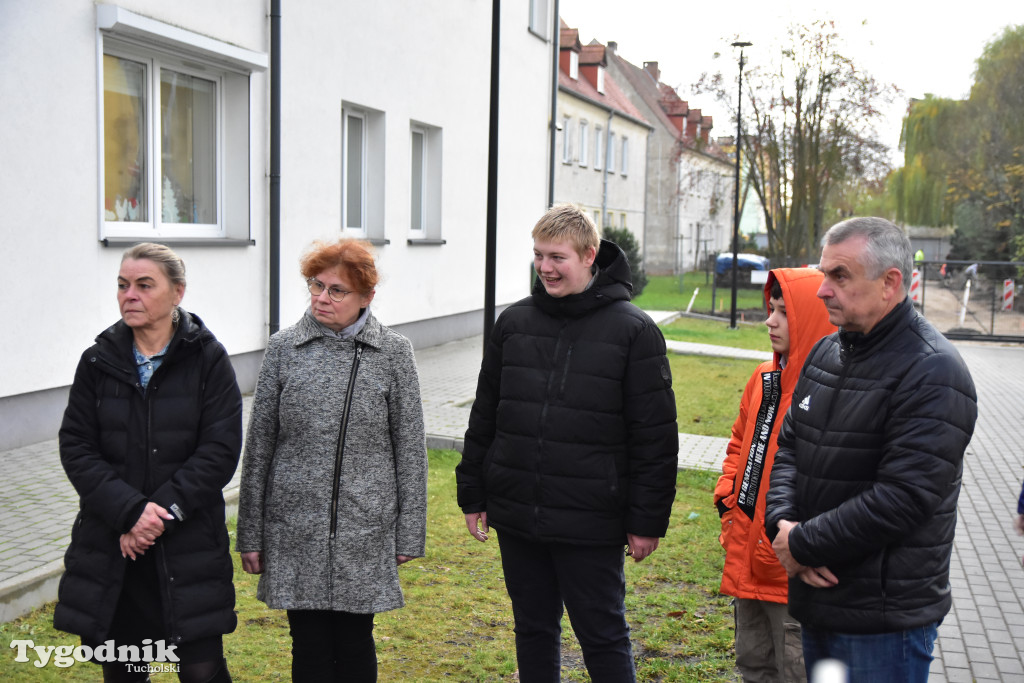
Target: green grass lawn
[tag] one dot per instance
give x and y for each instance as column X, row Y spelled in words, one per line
column 457, row 624
column 747, row 335
column 708, row 392
column 664, row 293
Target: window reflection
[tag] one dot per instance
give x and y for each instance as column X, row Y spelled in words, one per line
column 124, row 153
column 188, row 143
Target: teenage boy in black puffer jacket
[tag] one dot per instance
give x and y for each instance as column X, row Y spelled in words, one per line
column 572, row 448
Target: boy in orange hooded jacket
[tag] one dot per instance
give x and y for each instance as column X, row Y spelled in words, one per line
column 767, row 638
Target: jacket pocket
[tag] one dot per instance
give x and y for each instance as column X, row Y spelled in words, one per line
column 764, row 564
column 726, row 536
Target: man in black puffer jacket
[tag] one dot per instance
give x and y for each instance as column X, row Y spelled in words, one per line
column 572, row 448
column 862, row 503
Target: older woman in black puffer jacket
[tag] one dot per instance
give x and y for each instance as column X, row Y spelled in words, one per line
column 150, row 437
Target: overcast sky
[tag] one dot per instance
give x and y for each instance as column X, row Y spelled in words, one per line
column 919, row 47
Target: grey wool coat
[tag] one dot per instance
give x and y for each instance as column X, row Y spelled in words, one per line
column 333, row 488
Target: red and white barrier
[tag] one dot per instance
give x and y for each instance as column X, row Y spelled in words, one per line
column 1007, row 295
column 915, row 286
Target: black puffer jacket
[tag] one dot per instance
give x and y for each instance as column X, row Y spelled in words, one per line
column 177, row 446
column 869, row 463
column 573, row 435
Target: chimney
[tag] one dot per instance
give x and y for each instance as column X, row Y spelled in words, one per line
column 653, row 70
column 706, row 124
column 693, row 123
column 613, row 46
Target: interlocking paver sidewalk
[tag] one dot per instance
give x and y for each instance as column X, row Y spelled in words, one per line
column 982, row 639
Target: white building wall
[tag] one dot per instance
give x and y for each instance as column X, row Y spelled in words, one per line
column 387, row 65
column 58, row 279
column 705, row 208
column 583, row 184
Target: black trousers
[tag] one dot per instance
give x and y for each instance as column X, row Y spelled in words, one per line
column 332, row 646
column 591, row 583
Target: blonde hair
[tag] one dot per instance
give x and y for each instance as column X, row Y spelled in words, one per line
column 568, row 223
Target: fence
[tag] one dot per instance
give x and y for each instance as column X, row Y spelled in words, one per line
column 972, row 300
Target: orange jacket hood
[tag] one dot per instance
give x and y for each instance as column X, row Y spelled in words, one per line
column 806, row 317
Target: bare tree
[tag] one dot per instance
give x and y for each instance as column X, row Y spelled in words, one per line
column 809, row 127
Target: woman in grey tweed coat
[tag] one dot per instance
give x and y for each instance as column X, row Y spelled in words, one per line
column 333, row 493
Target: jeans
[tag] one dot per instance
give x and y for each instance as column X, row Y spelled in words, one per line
column 591, row 583
column 332, row 646
column 899, row 657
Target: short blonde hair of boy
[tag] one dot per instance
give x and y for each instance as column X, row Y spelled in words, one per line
column 568, row 223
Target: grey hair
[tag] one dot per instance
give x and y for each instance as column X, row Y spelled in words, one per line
column 887, row 246
column 169, row 262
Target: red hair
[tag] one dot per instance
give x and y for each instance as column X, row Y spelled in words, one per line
column 352, row 259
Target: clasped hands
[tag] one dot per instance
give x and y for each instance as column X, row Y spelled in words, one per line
column 819, row 577
column 145, row 532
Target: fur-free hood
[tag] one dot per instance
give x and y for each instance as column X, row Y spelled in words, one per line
column 806, row 316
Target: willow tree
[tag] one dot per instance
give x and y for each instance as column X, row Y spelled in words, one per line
column 991, row 178
column 964, row 159
column 809, row 129
column 935, row 138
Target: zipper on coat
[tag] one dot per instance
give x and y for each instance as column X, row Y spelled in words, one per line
column 565, row 371
column 169, row 620
column 149, row 441
column 341, row 440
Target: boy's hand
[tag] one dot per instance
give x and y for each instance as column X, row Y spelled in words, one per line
column 640, row 547
column 476, row 522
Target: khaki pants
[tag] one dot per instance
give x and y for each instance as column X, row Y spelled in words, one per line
column 768, row 645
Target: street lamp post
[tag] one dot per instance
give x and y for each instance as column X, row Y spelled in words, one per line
column 736, row 191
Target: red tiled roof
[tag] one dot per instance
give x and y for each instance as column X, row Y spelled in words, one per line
column 569, row 39
column 656, row 95
column 613, row 97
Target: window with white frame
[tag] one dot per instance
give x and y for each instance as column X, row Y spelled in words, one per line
column 425, row 182
column 600, row 79
column 539, row 18
column 611, row 151
column 597, row 218
column 362, row 171
column 599, row 142
column 625, row 155
column 584, row 142
column 174, row 138
column 566, row 138
column 574, row 65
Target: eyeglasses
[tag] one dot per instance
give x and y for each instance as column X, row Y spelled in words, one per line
column 316, row 288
